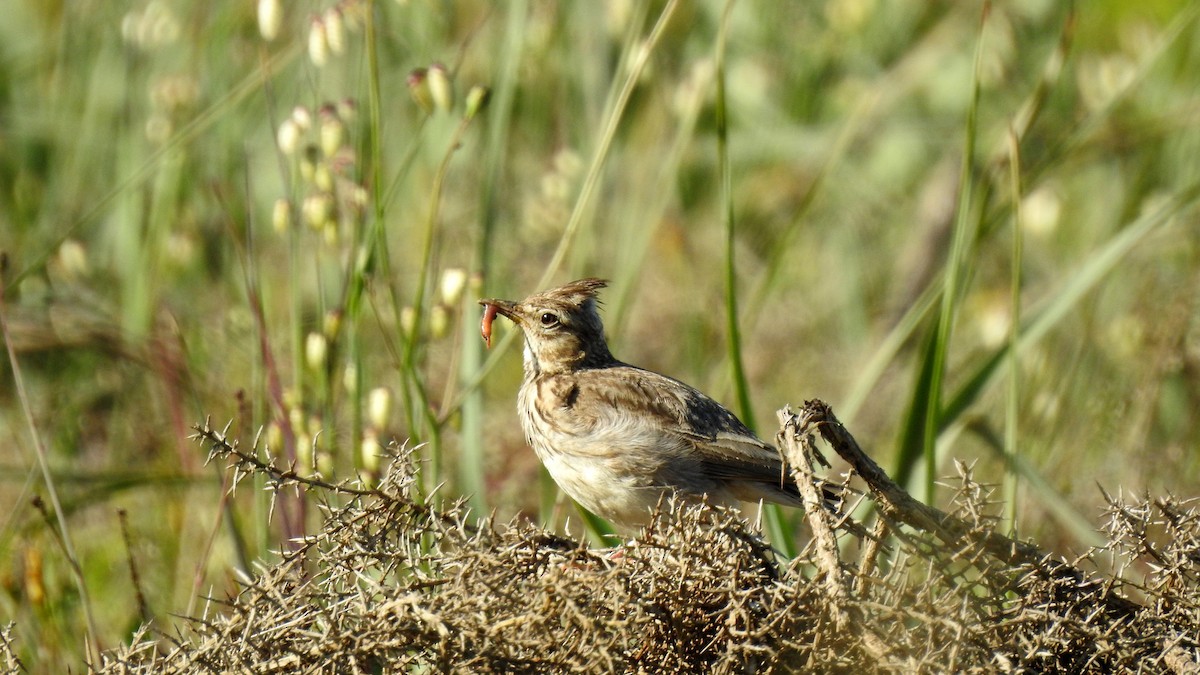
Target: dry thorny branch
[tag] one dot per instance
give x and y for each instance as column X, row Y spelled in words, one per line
column 391, row 584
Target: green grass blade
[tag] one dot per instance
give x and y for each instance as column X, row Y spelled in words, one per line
column 911, row 441
column 473, row 459
column 1012, row 403
column 933, row 367
column 871, row 372
column 591, row 182
column 773, row 517
column 1059, row 304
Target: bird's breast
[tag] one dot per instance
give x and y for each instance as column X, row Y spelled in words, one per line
column 606, row 464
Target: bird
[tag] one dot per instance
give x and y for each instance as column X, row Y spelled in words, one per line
column 619, row 439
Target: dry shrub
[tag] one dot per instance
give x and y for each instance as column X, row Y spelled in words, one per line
column 391, row 585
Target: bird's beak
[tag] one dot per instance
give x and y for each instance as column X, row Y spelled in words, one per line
column 490, row 309
column 504, row 308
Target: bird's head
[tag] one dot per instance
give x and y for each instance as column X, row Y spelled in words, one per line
column 562, row 327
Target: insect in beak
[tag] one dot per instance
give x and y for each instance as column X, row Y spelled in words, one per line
column 485, row 326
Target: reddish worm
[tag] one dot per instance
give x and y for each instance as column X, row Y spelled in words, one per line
column 485, row 326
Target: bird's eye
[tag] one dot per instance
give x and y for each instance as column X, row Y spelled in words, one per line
column 549, row 319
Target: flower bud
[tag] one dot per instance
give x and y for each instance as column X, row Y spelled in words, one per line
column 318, row 43
column 347, row 110
column 308, row 163
column 335, row 30
column 270, row 16
column 274, row 437
column 331, row 233
column 316, row 351
column 418, row 87
column 318, row 210
column 441, row 89
column 359, row 198
column 332, row 131
column 408, row 319
column 287, row 137
column 370, row 452
column 322, row 176
column 477, row 100
column 379, row 407
column 1040, row 211
column 304, row 453
column 302, row 117
column 72, row 257
column 281, row 216
column 453, row 282
column 332, row 323
column 439, row 321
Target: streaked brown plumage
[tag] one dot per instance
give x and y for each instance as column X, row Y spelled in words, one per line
column 616, row 437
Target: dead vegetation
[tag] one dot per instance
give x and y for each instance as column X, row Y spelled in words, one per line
column 390, row 584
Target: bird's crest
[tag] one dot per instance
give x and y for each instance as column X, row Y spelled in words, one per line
column 578, row 292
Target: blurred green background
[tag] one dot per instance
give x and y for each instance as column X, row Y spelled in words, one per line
column 290, row 235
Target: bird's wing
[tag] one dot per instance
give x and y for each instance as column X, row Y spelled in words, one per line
column 709, row 436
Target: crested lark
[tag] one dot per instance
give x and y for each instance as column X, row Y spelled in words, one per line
column 615, row 437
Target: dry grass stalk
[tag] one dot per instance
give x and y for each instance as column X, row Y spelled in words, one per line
column 390, row 584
